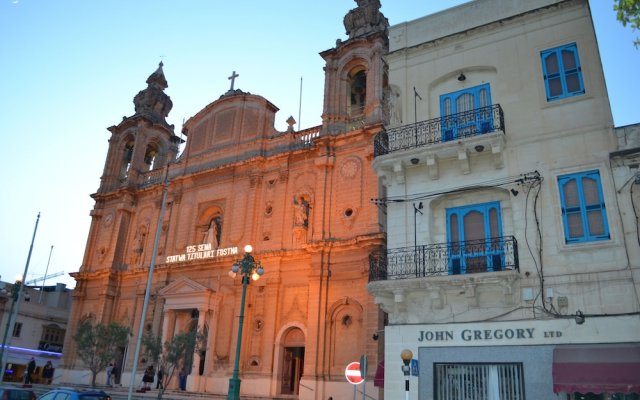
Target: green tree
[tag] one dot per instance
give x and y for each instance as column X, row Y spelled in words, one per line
column 173, row 355
column 97, row 345
column 628, row 12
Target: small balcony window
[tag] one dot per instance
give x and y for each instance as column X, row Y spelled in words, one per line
column 466, row 113
column 474, row 235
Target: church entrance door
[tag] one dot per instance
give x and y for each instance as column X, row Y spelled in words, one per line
column 292, row 368
column 292, row 364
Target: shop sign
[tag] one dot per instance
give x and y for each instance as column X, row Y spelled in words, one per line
column 482, row 335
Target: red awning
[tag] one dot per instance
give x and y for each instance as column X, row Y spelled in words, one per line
column 612, row 368
column 378, row 381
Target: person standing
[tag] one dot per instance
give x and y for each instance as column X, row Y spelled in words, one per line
column 160, row 374
column 109, row 374
column 182, row 380
column 115, row 372
column 31, row 368
column 147, row 378
column 47, row 373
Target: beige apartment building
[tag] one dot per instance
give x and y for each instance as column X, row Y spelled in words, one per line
column 512, row 262
column 34, row 325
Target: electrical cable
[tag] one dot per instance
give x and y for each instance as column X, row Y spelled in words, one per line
column 554, row 312
column 635, row 212
column 520, row 179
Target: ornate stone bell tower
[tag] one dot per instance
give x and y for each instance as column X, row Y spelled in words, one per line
column 143, row 142
column 356, row 73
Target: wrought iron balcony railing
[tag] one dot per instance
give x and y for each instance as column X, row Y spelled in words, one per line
column 438, row 130
column 455, row 258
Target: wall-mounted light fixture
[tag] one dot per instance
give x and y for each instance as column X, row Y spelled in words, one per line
column 461, row 77
column 415, row 161
column 579, row 317
column 479, row 148
column 514, row 192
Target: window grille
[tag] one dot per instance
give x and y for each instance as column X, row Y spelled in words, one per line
column 479, row 382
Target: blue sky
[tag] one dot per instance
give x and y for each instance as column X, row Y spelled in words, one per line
column 70, row 68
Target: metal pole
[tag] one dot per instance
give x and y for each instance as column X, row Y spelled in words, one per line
column 147, row 293
column 406, row 356
column 415, row 239
column 15, row 306
column 406, row 388
column 364, row 389
column 234, row 382
column 415, row 113
column 300, row 106
column 416, row 210
column 6, row 330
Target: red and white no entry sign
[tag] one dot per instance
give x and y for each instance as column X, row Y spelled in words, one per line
column 352, row 373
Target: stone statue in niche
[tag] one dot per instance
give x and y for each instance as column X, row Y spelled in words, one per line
column 364, row 19
column 138, row 246
column 300, row 212
column 212, row 234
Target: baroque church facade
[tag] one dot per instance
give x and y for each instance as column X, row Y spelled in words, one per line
column 300, row 198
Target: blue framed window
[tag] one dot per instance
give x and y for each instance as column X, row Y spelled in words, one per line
column 474, row 235
column 583, row 210
column 466, row 112
column 562, row 72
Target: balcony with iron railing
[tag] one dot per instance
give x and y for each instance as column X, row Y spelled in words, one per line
column 441, row 259
column 455, row 127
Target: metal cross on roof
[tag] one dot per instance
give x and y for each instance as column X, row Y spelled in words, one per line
column 233, row 78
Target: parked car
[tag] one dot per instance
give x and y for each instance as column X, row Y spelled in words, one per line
column 16, row 393
column 67, row 393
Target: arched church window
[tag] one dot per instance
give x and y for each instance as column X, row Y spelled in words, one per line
column 126, row 159
column 357, row 92
column 150, row 156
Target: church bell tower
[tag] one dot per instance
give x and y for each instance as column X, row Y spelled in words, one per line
column 144, row 142
column 356, row 73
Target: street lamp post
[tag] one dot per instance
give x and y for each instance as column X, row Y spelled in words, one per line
column 15, row 305
column 248, row 267
column 14, row 295
column 406, row 356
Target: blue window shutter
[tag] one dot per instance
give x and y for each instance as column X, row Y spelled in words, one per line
column 562, row 72
column 466, row 246
column 583, row 208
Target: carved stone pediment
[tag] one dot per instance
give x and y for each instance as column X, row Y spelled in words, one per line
column 185, row 293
